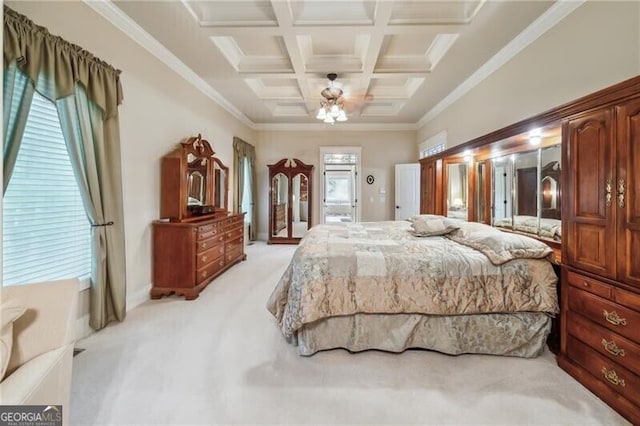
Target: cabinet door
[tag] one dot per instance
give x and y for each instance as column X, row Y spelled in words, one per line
column 428, row 187
column 589, row 237
column 627, row 197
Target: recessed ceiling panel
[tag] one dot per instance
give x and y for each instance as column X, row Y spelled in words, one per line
column 322, row 12
column 261, row 46
column 275, row 88
column 434, row 12
column 394, row 88
column 266, row 54
column 288, row 109
column 381, row 109
column 333, row 44
column 406, row 44
column 230, row 13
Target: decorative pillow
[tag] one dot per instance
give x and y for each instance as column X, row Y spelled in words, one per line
column 425, row 216
column 501, row 247
column 427, row 227
column 10, row 311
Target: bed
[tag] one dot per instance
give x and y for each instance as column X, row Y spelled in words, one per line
column 549, row 228
column 378, row 285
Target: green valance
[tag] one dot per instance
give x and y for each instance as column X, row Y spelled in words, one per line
column 55, row 65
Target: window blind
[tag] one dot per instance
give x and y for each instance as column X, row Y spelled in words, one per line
column 46, row 232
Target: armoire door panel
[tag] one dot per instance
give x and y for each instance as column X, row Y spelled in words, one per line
column 628, row 192
column 590, row 248
column 591, row 219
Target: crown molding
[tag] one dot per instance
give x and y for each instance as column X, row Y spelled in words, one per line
column 550, row 18
column 128, row 26
column 339, row 127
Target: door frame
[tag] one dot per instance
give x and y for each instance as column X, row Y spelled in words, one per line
column 358, row 179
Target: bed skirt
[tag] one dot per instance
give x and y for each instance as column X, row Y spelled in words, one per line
column 521, row 334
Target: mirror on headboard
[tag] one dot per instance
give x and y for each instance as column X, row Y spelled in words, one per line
column 457, row 190
column 526, row 192
column 193, row 182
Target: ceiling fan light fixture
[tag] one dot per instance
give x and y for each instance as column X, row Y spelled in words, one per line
column 332, row 104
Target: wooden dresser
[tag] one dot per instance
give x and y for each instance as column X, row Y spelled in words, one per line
column 188, row 255
column 600, row 327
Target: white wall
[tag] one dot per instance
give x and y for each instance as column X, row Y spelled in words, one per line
column 160, row 108
column 594, row 47
column 380, row 152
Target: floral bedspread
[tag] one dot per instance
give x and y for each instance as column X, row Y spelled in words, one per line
column 381, row 267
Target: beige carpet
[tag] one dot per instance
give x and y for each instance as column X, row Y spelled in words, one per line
column 222, row 360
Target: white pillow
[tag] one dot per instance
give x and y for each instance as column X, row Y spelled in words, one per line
column 10, row 311
column 428, row 227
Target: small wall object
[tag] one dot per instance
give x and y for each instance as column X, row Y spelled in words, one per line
column 370, row 179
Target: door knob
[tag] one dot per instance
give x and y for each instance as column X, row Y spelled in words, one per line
column 397, row 207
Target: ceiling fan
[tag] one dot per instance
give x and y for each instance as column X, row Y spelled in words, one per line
column 332, row 106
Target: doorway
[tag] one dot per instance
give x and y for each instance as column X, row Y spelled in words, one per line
column 340, row 184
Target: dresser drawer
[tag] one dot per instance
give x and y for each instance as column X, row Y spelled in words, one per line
column 611, row 345
column 209, row 255
column 209, row 243
column 237, row 232
column 207, row 231
column 209, row 270
column 613, row 316
column 618, row 378
column 589, row 284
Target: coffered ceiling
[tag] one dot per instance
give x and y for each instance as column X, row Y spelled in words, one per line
column 397, row 62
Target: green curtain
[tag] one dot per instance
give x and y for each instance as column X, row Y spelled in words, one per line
column 16, row 103
column 244, row 150
column 87, row 92
column 94, row 149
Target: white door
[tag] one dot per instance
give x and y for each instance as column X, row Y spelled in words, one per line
column 407, row 190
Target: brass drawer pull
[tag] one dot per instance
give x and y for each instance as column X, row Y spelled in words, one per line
column 203, row 245
column 221, row 250
column 204, row 274
column 612, row 348
column 612, row 377
column 221, row 238
column 221, row 263
column 204, row 258
column 614, row 318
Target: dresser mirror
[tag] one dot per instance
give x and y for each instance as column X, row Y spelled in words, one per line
column 221, row 178
column 290, row 201
column 457, row 190
column 197, row 180
column 193, row 183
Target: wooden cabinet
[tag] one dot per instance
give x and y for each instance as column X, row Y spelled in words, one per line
column 600, row 332
column 188, row 255
column 290, row 195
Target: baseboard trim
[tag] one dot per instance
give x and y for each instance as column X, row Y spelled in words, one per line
column 83, row 329
column 138, row 298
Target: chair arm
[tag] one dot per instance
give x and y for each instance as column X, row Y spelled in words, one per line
column 49, row 321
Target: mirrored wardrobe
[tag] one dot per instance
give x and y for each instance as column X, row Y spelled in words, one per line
column 526, row 192
column 290, row 195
